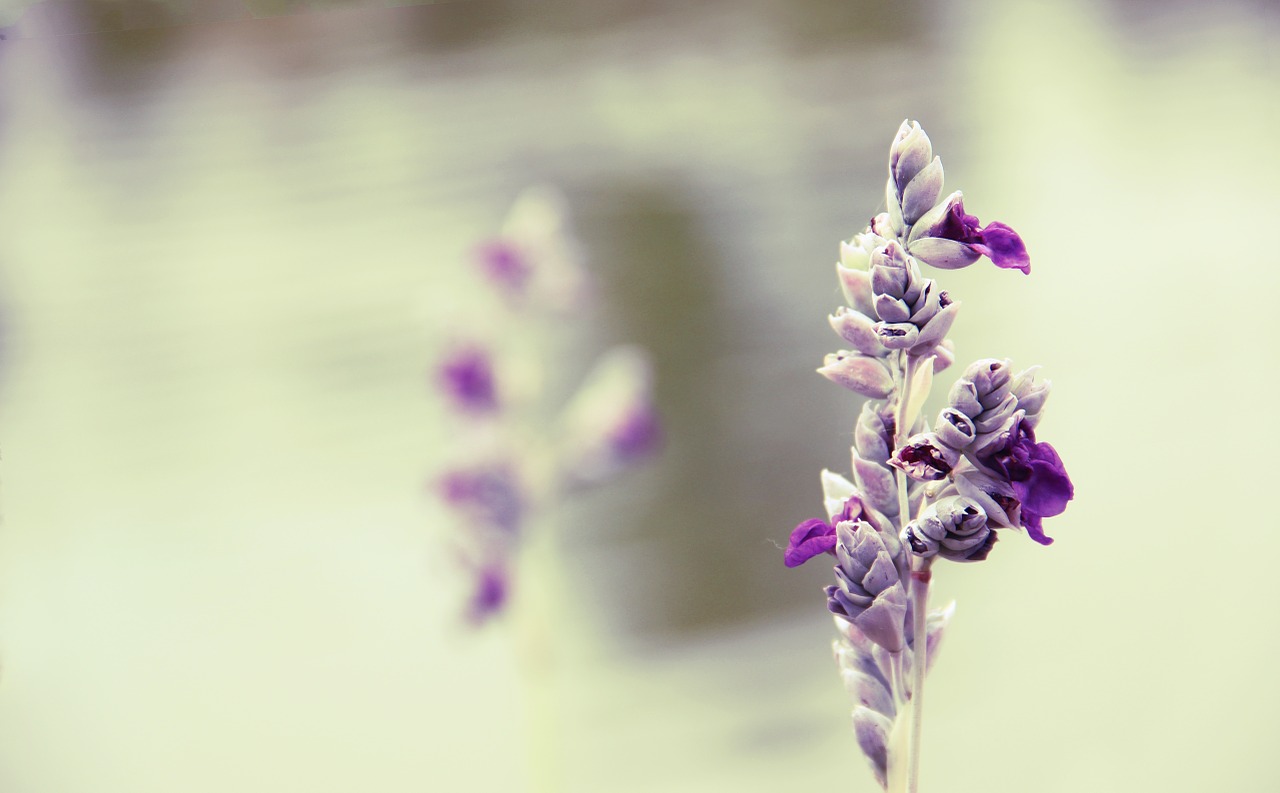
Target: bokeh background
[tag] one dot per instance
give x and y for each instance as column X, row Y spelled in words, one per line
column 233, row 235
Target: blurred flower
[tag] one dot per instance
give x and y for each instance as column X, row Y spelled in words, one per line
column 489, row 596
column 466, row 377
column 487, row 494
column 529, row 462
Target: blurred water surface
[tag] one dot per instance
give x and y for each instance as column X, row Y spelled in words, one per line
column 232, row 246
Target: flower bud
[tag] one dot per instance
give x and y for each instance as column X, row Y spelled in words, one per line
column 910, row 152
column 857, row 329
column 891, row 309
column 964, row 397
column 882, row 226
column 954, row 428
column 890, row 273
column 922, row 193
column 944, row 354
column 934, row 223
column 1031, row 394
column 993, row 419
column 859, row 373
column 927, row 302
column 856, row 286
column 876, row 483
column 869, row 591
column 953, row 527
column 872, row 438
column 995, row 497
column 991, row 378
column 893, row 209
column 935, row 329
column 897, row 335
column 943, row 253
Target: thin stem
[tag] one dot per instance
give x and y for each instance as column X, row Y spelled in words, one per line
column 900, row 434
column 920, row 576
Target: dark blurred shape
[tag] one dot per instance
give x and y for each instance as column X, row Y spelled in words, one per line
column 697, row 551
column 815, row 26
column 134, row 42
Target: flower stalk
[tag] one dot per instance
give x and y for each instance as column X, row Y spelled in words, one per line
column 918, row 492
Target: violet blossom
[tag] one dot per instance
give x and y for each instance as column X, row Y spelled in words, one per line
column 918, row 493
column 1037, row 475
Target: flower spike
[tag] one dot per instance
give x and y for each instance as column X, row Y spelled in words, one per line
column 918, row 493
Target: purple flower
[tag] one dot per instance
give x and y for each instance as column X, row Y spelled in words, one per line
column 815, row 536
column 996, row 241
column 949, row 238
column 637, row 435
column 810, row 538
column 488, row 494
column 492, row 587
column 466, row 377
column 506, row 265
column 1037, row 475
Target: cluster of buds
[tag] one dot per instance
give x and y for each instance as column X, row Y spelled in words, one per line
column 524, row 456
column 918, row 492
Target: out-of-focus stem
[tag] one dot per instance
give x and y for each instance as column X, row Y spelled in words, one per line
column 920, row 575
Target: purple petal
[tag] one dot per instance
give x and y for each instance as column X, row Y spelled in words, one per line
column 490, row 594
column 505, row 265
column 1003, row 247
column 996, row 241
column 1046, row 488
column 810, row 538
column 638, row 435
column 466, row 377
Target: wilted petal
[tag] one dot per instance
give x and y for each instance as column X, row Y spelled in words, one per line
column 924, row 457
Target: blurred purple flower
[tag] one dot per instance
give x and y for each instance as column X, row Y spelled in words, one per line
column 492, row 586
column 638, row 435
column 466, row 377
column 488, row 494
column 506, row 265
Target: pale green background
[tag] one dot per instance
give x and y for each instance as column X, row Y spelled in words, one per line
column 229, row 251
